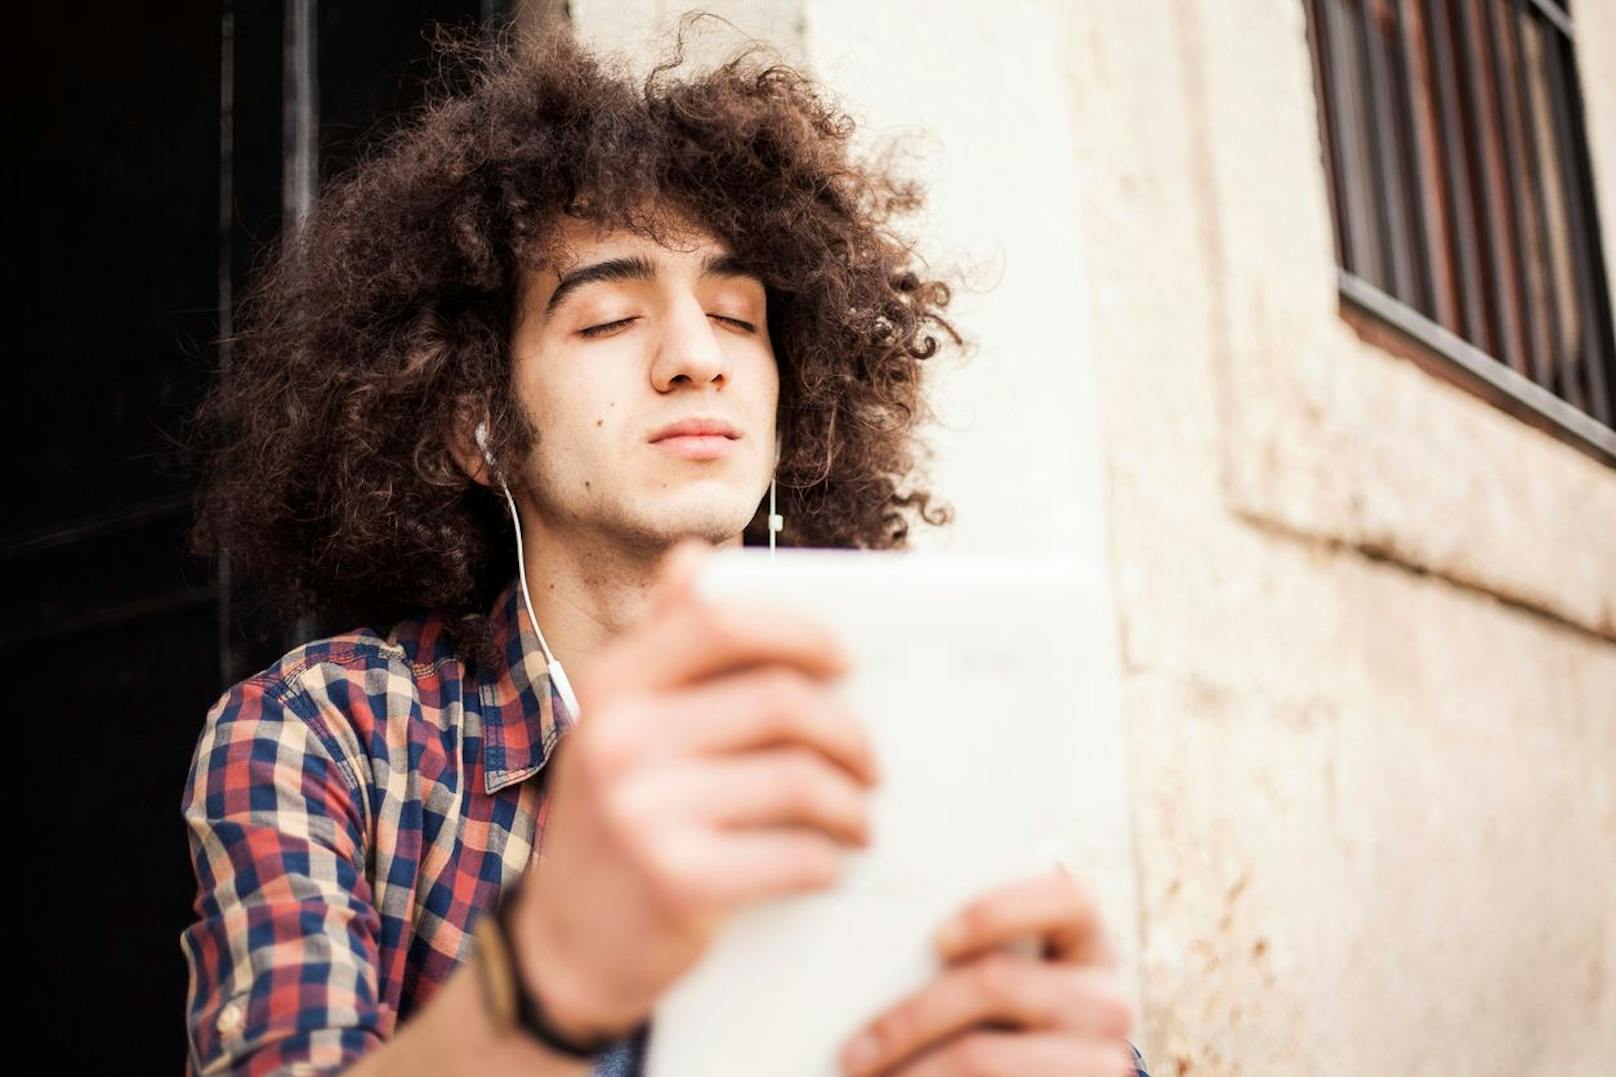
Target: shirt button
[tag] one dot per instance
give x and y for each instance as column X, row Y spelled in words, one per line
column 229, row 1018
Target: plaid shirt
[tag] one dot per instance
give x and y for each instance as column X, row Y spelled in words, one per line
column 352, row 811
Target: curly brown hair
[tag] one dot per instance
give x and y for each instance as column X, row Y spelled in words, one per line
column 328, row 474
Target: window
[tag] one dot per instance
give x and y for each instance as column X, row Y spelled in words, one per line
column 1463, row 200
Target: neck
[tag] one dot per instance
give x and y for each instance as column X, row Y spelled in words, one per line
column 586, row 590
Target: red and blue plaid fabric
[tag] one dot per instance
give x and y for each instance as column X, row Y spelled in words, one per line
column 352, row 811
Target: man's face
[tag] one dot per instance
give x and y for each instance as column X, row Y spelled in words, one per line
column 615, row 342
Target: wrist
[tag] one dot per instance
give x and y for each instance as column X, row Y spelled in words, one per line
column 550, row 979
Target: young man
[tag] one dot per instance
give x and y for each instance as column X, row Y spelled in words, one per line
column 596, row 307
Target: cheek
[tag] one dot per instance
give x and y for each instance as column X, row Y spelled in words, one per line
column 569, row 409
column 605, row 421
column 763, row 371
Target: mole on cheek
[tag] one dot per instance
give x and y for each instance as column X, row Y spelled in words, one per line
column 599, row 422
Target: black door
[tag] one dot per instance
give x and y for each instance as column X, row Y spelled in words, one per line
column 160, row 147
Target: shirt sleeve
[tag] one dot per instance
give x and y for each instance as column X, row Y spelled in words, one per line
column 283, row 951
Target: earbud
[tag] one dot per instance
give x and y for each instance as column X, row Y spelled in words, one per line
column 481, row 437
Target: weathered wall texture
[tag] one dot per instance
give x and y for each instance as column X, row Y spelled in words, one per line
column 1368, row 622
column 1365, row 622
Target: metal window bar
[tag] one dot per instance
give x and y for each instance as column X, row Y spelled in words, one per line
column 1414, row 172
column 1570, row 382
column 1456, row 170
column 1462, row 193
column 1426, row 153
column 1503, row 63
column 1394, row 224
column 1481, row 118
column 1361, row 250
column 1592, row 294
column 1548, row 303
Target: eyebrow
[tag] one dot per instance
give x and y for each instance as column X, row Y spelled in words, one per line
column 637, row 267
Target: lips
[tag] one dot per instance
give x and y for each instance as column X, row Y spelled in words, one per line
column 697, row 427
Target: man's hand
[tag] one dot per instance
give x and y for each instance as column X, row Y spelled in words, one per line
column 711, row 768
column 992, row 1012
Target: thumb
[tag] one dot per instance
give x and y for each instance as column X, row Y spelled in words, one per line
column 676, row 574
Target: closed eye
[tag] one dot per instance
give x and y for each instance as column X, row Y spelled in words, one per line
column 604, row 328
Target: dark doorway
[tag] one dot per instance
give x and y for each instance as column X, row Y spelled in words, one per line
column 162, row 147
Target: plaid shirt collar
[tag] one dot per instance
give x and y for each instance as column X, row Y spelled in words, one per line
column 523, row 715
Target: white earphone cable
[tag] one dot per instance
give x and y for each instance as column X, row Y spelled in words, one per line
column 557, row 674
column 776, row 521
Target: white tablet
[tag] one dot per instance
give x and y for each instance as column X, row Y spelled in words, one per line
column 973, row 675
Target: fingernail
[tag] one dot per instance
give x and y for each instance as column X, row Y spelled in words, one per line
column 862, row 1053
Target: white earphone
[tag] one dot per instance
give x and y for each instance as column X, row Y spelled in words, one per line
column 777, row 522
column 557, row 674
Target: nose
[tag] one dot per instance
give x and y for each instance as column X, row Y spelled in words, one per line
column 689, row 349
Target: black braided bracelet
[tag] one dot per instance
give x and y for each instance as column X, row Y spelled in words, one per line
column 529, row 1015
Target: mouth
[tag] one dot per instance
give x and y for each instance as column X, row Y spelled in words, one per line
column 696, row 446
column 698, row 438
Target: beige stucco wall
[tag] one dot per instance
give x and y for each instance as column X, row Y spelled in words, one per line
column 1365, row 623
column 1368, row 622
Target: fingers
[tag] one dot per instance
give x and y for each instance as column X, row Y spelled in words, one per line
column 1054, row 907
column 776, row 787
column 744, row 866
column 1028, row 995
column 1024, row 1055
column 745, row 711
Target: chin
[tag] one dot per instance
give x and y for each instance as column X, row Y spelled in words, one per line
column 713, row 522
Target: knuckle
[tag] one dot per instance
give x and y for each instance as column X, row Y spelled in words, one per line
column 671, row 890
column 803, row 784
column 592, row 759
column 701, row 619
column 818, row 862
column 1116, row 1015
column 995, row 980
column 977, row 919
column 1078, row 896
column 672, row 895
column 892, row 1029
column 594, row 679
column 1102, row 1005
column 604, row 750
column 620, row 816
column 782, row 696
column 716, row 623
column 976, row 1056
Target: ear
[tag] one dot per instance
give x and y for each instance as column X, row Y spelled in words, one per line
column 463, row 446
